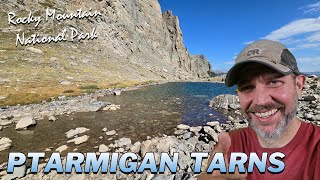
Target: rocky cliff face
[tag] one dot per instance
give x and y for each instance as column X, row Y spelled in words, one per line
column 201, row 67
column 135, row 42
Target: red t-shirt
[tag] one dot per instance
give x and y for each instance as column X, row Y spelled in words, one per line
column 302, row 153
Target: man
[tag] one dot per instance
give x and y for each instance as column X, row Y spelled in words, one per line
column 269, row 86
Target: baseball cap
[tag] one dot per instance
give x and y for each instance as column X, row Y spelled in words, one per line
column 270, row 53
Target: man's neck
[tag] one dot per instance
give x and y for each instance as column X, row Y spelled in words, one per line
column 285, row 137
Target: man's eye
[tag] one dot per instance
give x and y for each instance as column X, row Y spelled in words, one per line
column 245, row 88
column 275, row 83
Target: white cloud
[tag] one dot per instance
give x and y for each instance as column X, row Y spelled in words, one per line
column 314, row 37
column 312, row 8
column 308, row 46
column 310, row 60
column 294, row 28
column 291, row 41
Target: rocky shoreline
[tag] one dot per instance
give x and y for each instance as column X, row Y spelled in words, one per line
column 185, row 140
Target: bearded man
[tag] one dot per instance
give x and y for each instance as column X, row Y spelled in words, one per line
column 269, row 86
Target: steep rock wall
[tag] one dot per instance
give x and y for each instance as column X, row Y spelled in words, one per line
column 136, row 41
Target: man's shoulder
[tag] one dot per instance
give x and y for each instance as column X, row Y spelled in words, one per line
column 311, row 128
column 311, row 133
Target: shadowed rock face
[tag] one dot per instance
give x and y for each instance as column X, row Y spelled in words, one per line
column 201, row 67
column 134, row 36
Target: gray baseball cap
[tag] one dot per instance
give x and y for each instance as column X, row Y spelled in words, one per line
column 270, row 53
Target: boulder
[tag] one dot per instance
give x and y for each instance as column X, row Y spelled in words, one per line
column 308, row 98
column 195, row 129
column 18, row 172
column 211, row 132
column 225, row 101
column 170, row 144
column 123, row 142
column 309, row 116
column 5, row 122
column 52, row 118
column 117, row 92
column 179, row 132
column 120, row 150
column 316, row 117
column 218, row 129
column 103, row 148
column 79, row 140
column 213, row 123
column 25, row 122
column 111, row 133
column 184, row 161
column 62, row 148
column 146, row 146
column 187, row 135
column 5, row 143
column 74, row 132
column 111, row 107
column 183, row 127
column 136, row 147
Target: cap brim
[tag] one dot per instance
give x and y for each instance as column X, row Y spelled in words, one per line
column 233, row 73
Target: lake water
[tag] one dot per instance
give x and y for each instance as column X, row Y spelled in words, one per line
column 190, row 101
column 148, row 111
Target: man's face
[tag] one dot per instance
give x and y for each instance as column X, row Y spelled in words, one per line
column 268, row 99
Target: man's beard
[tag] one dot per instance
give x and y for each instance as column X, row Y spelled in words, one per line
column 286, row 118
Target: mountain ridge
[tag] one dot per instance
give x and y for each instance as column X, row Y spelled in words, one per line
column 136, row 43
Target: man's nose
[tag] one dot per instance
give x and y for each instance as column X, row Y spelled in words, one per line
column 262, row 96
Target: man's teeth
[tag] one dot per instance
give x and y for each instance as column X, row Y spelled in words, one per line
column 266, row 114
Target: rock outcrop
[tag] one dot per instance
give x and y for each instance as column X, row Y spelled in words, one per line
column 201, row 67
column 225, row 101
column 309, row 103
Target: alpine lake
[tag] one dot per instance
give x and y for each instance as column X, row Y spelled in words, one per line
column 146, row 112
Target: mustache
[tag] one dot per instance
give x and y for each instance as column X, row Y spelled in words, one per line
column 266, row 107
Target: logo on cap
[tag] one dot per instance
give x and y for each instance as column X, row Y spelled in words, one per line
column 253, row 52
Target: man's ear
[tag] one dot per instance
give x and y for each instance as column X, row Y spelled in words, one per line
column 300, row 81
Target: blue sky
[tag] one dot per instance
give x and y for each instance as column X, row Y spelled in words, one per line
column 221, row 29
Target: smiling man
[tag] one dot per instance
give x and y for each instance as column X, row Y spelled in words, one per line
column 269, row 86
